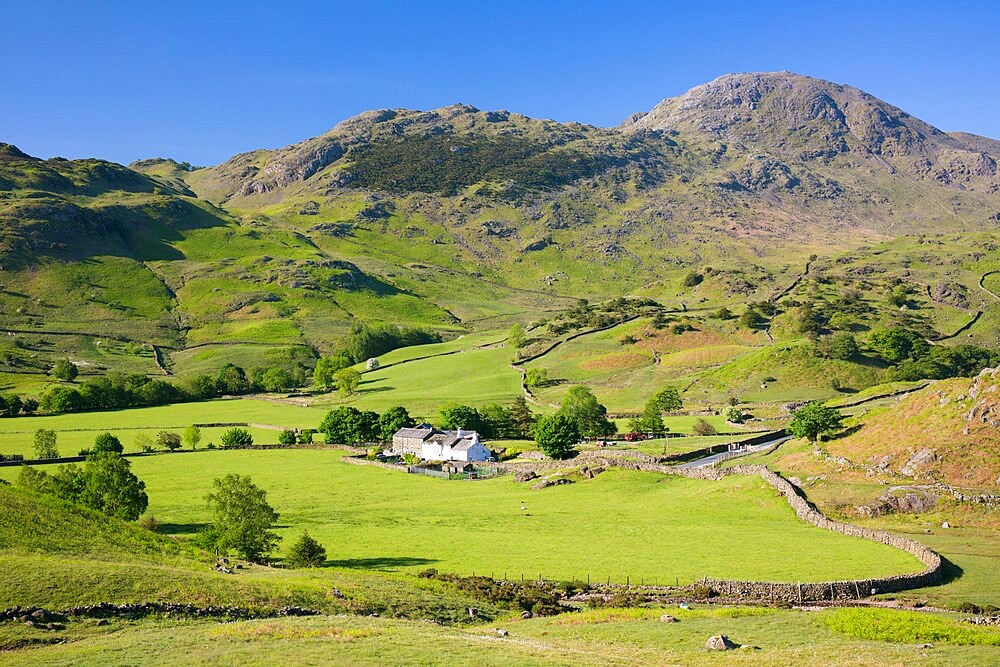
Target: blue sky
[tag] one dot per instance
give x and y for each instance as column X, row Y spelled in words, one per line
column 200, row 81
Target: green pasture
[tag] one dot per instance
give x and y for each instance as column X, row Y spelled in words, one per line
column 620, row 525
column 75, row 431
column 473, row 377
column 591, row 637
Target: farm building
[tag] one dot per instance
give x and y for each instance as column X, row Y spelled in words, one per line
column 430, row 444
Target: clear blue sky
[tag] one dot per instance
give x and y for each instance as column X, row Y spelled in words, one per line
column 200, row 81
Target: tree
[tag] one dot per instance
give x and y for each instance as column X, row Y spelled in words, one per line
column 702, row 427
column 106, row 442
column 232, row 379
column 896, row 344
column 582, row 406
column 494, row 421
column 455, row 416
column 843, row 346
column 286, row 437
column 326, row 367
column 372, row 364
column 667, row 400
column 143, row 442
column 306, row 552
column 65, row 370
column 236, row 438
column 650, row 420
column 557, row 435
column 45, row 444
column 112, row 488
column 734, row 414
column 392, row 420
column 813, row 420
column 276, row 379
column 192, row 436
column 368, row 428
column 347, row 380
column 536, row 377
column 168, row 440
column 522, row 421
column 61, row 399
column 515, row 336
column 751, row 319
column 342, row 426
column 242, row 518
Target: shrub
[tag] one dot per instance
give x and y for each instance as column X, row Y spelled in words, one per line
column 235, row 438
column 150, row 523
column 702, row 427
column 286, row 437
column 65, row 370
column 306, row 552
column 168, row 440
column 106, row 442
column 305, row 436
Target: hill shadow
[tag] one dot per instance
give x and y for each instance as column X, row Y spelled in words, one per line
column 379, row 563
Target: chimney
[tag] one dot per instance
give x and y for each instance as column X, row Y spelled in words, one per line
column 459, row 432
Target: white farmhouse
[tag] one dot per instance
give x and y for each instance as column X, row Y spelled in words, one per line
column 435, row 445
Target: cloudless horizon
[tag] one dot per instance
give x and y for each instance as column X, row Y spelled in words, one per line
column 124, row 81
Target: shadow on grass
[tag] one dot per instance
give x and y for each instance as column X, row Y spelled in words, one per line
column 182, row 528
column 379, row 563
column 950, row 571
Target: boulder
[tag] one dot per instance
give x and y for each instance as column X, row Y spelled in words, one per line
column 720, row 643
column 667, row 618
column 525, row 476
column 918, row 461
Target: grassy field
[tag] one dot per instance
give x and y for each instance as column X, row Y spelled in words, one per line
column 635, row 525
column 593, row 637
column 75, row 431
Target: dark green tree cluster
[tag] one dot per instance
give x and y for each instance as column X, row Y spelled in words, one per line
column 349, row 426
column 372, row 340
column 557, row 435
column 105, row 483
column 491, row 421
column 916, row 359
column 12, row 405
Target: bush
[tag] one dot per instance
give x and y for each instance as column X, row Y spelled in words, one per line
column 168, row 440
column 236, row 438
column 702, row 427
column 306, row 552
column 106, row 442
column 65, row 370
column 286, row 437
column 305, row 436
column 150, row 523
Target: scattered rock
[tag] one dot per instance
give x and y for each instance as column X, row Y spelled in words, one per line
column 945, row 524
column 919, row 460
column 525, row 476
column 526, row 614
column 101, row 622
column 927, row 646
column 501, row 632
column 720, row 643
column 667, row 618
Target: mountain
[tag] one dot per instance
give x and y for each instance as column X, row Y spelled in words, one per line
column 459, row 218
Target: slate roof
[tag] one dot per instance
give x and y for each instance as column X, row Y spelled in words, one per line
column 421, row 433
